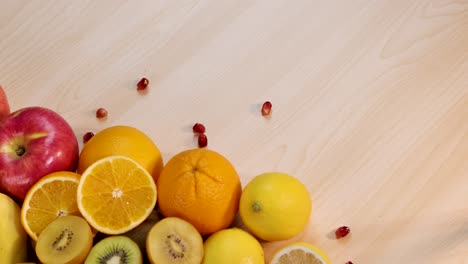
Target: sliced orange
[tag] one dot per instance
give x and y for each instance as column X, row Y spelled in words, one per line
column 52, row 196
column 115, row 194
column 300, row 252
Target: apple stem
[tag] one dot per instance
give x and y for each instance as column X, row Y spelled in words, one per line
column 20, row 150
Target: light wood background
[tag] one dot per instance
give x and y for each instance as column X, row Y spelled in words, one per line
column 370, row 101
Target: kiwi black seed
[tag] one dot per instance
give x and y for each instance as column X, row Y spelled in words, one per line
column 63, row 240
column 115, row 249
column 171, row 240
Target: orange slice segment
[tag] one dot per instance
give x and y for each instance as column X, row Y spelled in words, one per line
column 300, row 252
column 51, row 197
column 115, row 194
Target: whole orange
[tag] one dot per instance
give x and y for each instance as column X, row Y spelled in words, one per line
column 202, row 187
column 122, row 140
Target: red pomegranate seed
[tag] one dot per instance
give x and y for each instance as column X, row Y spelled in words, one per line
column 198, row 128
column 142, row 84
column 349, row 262
column 87, row 136
column 202, row 141
column 101, row 113
column 266, row 108
column 342, row 231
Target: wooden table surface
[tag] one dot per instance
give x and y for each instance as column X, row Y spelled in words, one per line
column 370, row 101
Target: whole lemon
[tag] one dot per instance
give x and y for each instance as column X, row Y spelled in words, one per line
column 122, row 140
column 232, row 246
column 275, row 206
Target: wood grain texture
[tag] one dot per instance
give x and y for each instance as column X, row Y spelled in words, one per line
column 370, row 101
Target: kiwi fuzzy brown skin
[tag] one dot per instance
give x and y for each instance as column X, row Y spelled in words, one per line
column 139, row 233
column 32, row 257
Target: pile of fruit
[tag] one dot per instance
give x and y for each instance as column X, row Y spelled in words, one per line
column 115, row 201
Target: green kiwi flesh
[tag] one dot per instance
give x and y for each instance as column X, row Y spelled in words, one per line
column 115, row 250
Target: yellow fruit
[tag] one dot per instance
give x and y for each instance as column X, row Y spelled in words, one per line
column 126, row 141
column 275, row 206
column 66, row 240
column 13, row 243
column 51, row 197
column 174, row 240
column 300, row 252
column 115, row 194
column 232, row 246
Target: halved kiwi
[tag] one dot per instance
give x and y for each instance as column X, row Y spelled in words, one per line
column 174, row 240
column 115, row 250
column 67, row 239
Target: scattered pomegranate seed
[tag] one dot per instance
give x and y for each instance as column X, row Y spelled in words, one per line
column 198, row 128
column 349, row 262
column 202, row 140
column 101, row 113
column 87, row 136
column 142, row 84
column 342, row 231
column 266, row 108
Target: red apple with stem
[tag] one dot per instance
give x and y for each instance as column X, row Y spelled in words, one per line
column 34, row 141
column 4, row 106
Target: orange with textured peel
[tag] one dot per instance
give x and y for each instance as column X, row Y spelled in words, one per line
column 202, row 187
column 126, row 141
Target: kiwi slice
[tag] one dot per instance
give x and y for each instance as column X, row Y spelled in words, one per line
column 174, row 240
column 115, row 250
column 67, row 239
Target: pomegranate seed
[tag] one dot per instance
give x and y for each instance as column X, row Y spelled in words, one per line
column 198, row 128
column 342, row 231
column 87, row 136
column 349, row 262
column 142, row 84
column 266, row 108
column 202, row 141
column 101, row 113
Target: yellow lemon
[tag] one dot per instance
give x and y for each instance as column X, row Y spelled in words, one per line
column 122, row 140
column 300, row 252
column 232, row 246
column 275, row 206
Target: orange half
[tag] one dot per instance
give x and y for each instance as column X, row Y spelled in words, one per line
column 51, row 197
column 115, row 194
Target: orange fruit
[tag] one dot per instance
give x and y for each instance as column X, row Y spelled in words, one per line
column 115, row 194
column 53, row 196
column 122, row 140
column 202, row 187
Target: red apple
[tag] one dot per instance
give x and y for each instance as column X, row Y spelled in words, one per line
column 34, row 141
column 4, row 106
